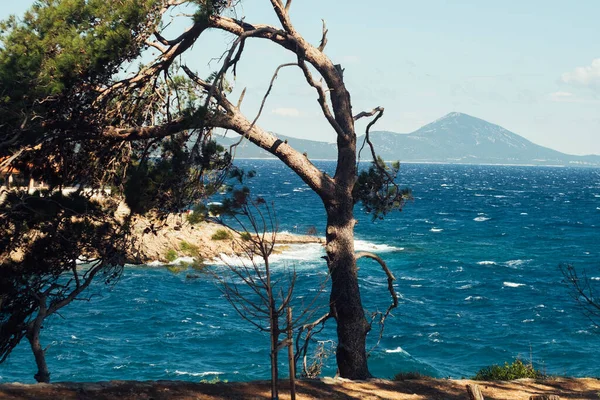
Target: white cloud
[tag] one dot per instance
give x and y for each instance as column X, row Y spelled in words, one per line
column 564, row 97
column 588, row 76
column 286, row 112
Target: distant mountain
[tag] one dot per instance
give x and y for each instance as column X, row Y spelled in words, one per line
column 454, row 138
column 314, row 149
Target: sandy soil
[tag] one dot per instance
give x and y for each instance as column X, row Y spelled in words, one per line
column 431, row 389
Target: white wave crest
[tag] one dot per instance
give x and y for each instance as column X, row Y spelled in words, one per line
column 291, row 253
column 363, row 245
column 486, row 263
column 513, row 285
column 515, row 263
column 436, row 230
column 474, row 298
column 481, row 219
column 398, row 350
column 178, row 372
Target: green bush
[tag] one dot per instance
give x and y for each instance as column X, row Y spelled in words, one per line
column 171, row 255
column 221, row 234
column 198, row 214
column 508, row 372
column 410, row 375
column 189, row 249
column 246, row 236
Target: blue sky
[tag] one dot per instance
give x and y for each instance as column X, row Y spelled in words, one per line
column 532, row 66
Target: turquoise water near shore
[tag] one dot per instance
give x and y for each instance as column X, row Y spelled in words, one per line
column 476, row 259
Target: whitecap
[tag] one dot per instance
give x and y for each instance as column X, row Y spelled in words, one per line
column 595, row 278
column 293, row 253
column 515, row 263
column 486, row 263
column 397, row 350
column 363, row 245
column 436, row 230
column 178, row 372
column 481, row 219
column 526, row 321
column 524, row 214
column 410, row 278
column 513, row 285
column 463, row 287
column 474, row 298
column 416, row 286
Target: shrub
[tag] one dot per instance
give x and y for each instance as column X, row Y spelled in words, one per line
column 221, row 234
column 410, row 375
column 171, row 255
column 198, row 214
column 190, row 249
column 246, row 236
column 508, row 372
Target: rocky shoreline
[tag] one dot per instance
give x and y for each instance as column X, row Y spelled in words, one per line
column 177, row 238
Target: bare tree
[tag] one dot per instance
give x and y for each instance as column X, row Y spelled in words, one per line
column 260, row 299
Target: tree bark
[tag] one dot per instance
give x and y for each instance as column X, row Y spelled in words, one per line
column 345, row 301
column 33, row 335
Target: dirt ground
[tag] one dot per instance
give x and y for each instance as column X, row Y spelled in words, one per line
column 431, row 389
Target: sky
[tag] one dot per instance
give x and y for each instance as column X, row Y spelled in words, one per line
column 532, row 67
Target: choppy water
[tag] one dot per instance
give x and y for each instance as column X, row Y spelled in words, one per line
column 476, row 256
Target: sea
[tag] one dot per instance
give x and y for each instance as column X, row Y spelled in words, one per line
column 476, row 257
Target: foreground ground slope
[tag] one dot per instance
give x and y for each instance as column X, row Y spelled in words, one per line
column 430, row 389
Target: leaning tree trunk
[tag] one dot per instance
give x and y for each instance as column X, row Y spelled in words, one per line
column 345, row 301
column 33, row 335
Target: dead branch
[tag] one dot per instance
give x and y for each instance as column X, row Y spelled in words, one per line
column 322, row 97
column 390, row 279
column 370, row 114
column 323, row 37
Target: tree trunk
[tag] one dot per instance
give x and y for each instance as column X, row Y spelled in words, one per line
column 273, row 329
column 345, row 301
column 33, row 335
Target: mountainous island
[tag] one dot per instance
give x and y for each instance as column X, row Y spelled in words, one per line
column 454, row 138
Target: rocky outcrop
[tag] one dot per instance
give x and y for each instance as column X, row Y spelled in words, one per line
column 176, row 237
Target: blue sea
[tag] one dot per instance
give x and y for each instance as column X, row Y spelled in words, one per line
column 476, row 256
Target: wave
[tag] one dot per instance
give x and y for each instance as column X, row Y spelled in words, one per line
column 515, row 263
column 363, row 245
column 290, row 254
column 436, row 230
column 513, row 285
column 178, row 372
column 398, row 350
column 474, row 298
column 410, row 278
column 481, row 219
column 487, row 263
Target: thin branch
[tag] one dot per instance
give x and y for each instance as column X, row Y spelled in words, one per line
column 323, row 37
column 390, row 279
